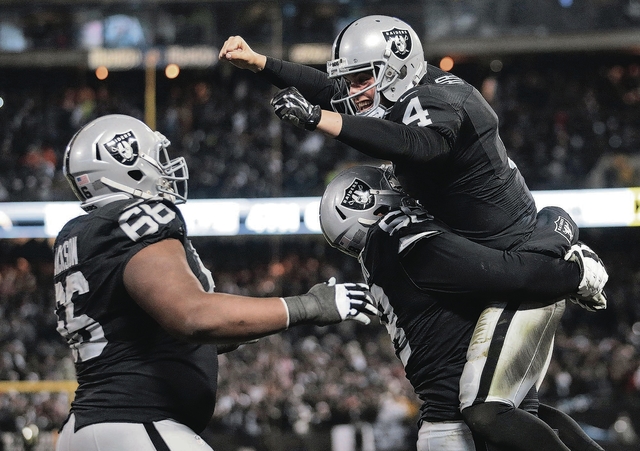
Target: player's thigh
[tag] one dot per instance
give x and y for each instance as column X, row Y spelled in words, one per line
column 508, row 353
column 445, row 436
column 179, row 437
column 128, row 437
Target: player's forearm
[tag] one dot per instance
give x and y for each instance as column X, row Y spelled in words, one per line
column 312, row 83
column 225, row 318
column 380, row 138
column 160, row 280
column 532, row 276
column 330, row 123
column 537, row 276
column 449, row 264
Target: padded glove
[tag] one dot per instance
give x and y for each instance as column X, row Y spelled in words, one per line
column 290, row 105
column 330, row 303
column 592, row 304
column 593, row 277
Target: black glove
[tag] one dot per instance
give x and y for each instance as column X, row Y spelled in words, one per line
column 330, row 303
column 290, row 105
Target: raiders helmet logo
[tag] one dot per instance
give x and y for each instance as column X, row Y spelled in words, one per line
column 123, row 147
column 357, row 196
column 400, row 42
column 564, row 228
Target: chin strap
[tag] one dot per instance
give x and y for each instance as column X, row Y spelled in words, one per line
column 100, row 201
column 422, row 70
column 164, row 193
column 120, row 187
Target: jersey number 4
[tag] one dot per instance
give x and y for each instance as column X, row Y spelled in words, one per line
column 415, row 114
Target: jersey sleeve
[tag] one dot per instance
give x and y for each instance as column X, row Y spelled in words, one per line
column 554, row 234
column 312, row 83
column 397, row 141
column 452, row 265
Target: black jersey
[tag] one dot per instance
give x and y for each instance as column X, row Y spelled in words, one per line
column 432, row 284
column 129, row 369
column 442, row 137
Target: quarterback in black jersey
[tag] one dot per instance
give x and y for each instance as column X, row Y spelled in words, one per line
column 380, row 97
column 431, row 287
column 137, row 307
column 437, row 129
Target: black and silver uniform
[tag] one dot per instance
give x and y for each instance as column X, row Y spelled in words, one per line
column 431, row 297
column 128, row 368
column 442, row 137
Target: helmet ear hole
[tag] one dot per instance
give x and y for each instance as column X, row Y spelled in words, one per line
column 136, row 174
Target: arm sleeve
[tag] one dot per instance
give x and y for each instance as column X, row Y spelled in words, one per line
column 450, row 264
column 381, row 138
column 312, row 83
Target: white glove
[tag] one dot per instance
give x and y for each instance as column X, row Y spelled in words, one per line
column 593, row 277
column 592, row 304
column 330, row 303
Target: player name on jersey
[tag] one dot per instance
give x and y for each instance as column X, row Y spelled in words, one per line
column 66, row 255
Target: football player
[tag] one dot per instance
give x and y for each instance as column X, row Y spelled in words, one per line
column 432, row 288
column 136, row 305
column 438, row 131
column 382, row 98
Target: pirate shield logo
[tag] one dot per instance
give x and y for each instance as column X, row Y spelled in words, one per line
column 400, row 42
column 357, row 196
column 123, row 147
column 564, row 228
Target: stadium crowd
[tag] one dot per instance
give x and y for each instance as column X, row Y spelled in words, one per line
column 298, row 385
column 568, row 122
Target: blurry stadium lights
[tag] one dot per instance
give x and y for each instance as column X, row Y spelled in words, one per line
column 614, row 207
column 310, row 53
column 102, row 73
column 495, row 65
column 130, row 58
column 446, row 63
column 120, row 59
column 196, row 56
column 1, row 102
column 172, row 71
column 30, row 435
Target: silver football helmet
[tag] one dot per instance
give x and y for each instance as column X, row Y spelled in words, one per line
column 118, row 157
column 355, row 200
column 388, row 47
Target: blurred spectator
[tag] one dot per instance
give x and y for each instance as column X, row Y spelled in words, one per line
column 557, row 127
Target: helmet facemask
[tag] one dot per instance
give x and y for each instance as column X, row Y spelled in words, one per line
column 342, row 101
column 173, row 183
column 387, row 47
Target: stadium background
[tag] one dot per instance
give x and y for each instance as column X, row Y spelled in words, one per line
column 563, row 76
